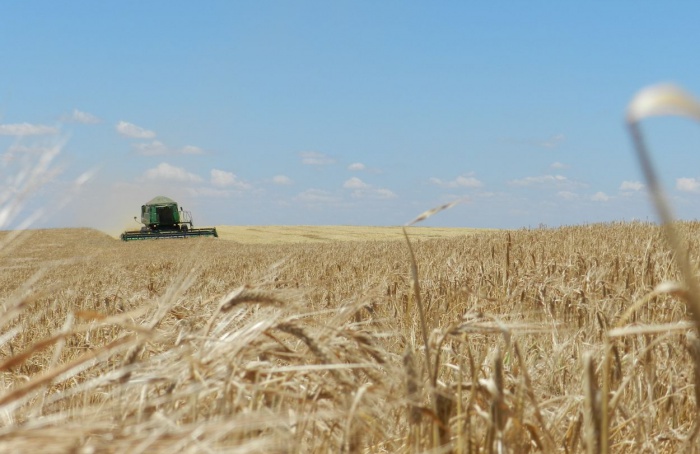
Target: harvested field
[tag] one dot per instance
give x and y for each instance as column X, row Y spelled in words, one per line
column 535, row 340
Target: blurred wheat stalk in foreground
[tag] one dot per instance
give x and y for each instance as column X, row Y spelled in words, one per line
column 661, row 100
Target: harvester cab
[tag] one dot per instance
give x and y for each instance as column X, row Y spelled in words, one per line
column 161, row 218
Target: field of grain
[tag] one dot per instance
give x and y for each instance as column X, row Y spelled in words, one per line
column 254, row 234
column 542, row 340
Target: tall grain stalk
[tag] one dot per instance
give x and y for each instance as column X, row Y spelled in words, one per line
column 434, row 394
column 661, row 100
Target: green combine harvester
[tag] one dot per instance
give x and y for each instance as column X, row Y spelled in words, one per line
column 162, row 219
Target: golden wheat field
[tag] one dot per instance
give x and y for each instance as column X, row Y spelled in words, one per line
column 278, row 234
column 538, row 340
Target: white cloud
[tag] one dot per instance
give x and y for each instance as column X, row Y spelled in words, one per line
column 553, row 141
column 355, row 183
column 631, row 186
column 357, row 166
column 208, row 192
column 154, row 148
column 462, row 181
column 191, row 149
column 362, row 190
column 165, row 171
column 26, row 129
column 131, row 130
column 158, row 148
column 18, row 147
column 558, row 165
column 373, row 193
column 385, row 194
column 223, row 179
column 567, row 195
column 78, row 116
column 314, row 158
column 600, row 197
column 688, row 185
column 541, row 180
column 282, row 180
column 317, row 196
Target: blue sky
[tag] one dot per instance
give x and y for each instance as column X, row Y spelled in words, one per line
column 363, row 113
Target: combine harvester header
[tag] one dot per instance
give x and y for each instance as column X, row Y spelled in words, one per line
column 161, row 219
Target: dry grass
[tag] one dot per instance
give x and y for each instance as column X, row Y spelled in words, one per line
column 215, row 346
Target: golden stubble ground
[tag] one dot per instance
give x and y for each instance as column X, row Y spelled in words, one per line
column 279, row 345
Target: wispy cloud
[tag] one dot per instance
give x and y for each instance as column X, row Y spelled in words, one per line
column 356, row 166
column 314, row 158
column 135, row 132
column 362, row 190
column 191, row 149
column 355, row 183
column 688, row 185
column 600, row 197
column 567, row 195
column 155, row 148
column 282, row 180
column 542, row 180
column 224, row 179
column 78, row 116
column 373, row 193
column 19, row 148
column 208, row 192
column 165, row 171
column 317, row 196
column 631, row 186
column 558, row 165
column 551, row 142
column 462, row 181
column 158, row 148
column 27, row 129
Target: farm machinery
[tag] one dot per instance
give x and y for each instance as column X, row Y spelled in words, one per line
column 161, row 219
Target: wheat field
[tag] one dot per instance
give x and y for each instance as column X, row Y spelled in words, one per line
column 536, row 340
column 279, row 234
